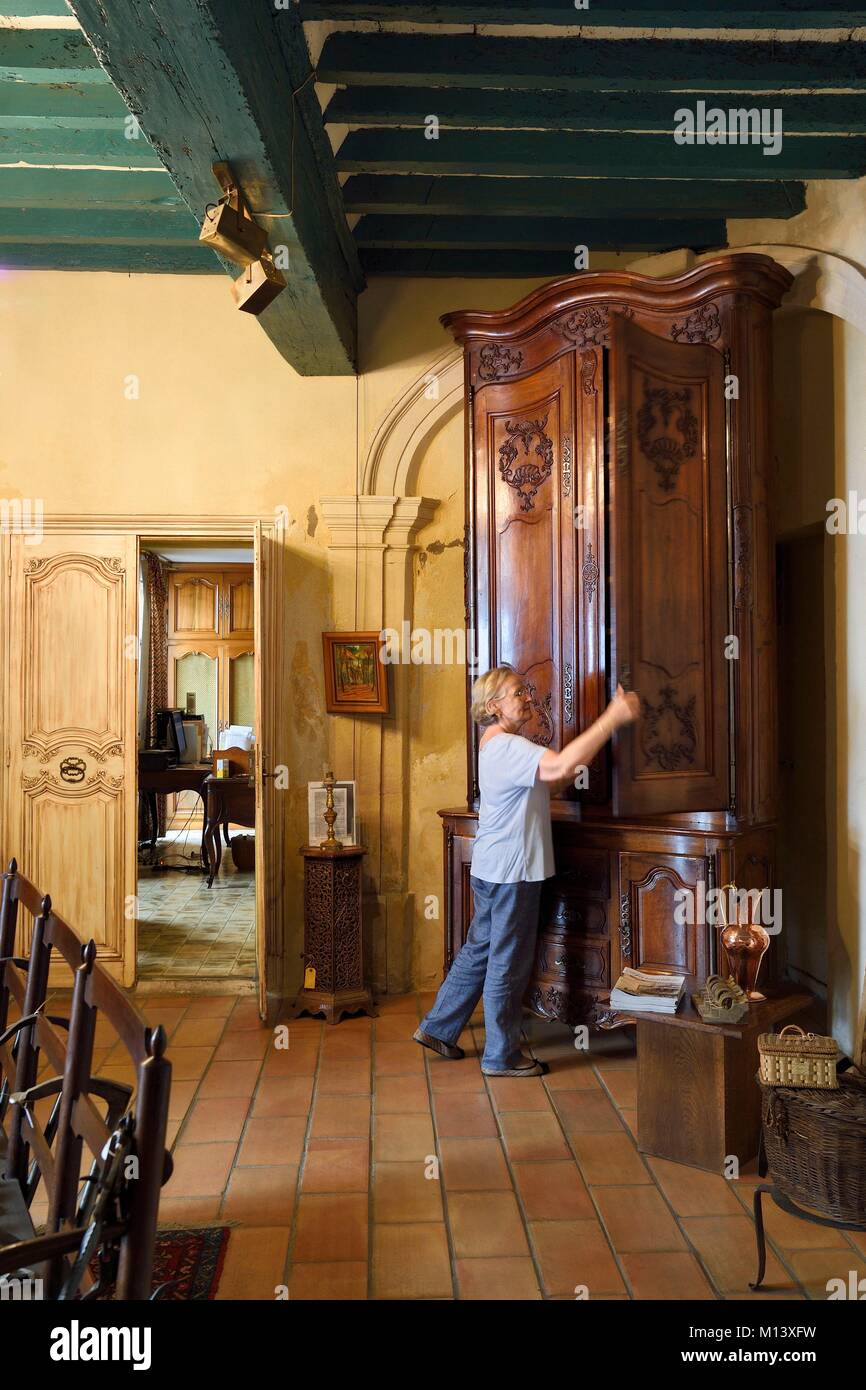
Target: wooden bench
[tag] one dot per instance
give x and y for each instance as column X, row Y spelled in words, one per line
column 114, row 1216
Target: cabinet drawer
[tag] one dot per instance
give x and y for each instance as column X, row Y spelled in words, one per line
column 565, row 909
column 583, row 870
column 578, row 963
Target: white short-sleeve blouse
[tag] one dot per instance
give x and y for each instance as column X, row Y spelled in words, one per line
column 514, row 841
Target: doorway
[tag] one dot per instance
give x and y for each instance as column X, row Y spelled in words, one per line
column 196, row 876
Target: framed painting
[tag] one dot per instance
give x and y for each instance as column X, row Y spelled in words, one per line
column 356, row 678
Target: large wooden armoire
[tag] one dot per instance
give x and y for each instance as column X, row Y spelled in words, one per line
column 619, row 528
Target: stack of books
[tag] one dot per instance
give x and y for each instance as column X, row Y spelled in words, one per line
column 638, row 991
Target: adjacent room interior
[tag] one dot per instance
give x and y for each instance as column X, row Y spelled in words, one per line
column 196, row 702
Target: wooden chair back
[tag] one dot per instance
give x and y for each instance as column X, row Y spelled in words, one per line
column 86, row 1111
column 239, row 760
column 23, row 984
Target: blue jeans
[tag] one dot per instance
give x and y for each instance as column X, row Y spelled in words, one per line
column 495, row 962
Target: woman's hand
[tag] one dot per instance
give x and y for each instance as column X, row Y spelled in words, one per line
column 624, row 708
column 561, row 768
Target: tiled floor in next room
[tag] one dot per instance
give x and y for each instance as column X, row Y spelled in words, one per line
column 186, row 928
column 319, row 1155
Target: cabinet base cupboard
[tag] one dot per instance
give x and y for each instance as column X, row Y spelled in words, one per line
column 619, row 528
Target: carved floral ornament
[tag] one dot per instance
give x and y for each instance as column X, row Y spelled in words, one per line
column 495, row 361
column 590, row 574
column 541, row 708
column 701, row 326
column 590, row 327
column 526, row 477
column 111, row 566
column 668, row 730
column 665, row 452
column 77, row 770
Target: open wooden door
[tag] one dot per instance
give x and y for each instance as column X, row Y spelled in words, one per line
column 270, row 878
column 669, row 567
column 71, row 733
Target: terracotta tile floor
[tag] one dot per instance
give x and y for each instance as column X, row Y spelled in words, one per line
column 356, row 1165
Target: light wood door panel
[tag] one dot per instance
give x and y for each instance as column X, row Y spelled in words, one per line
column 194, row 605
column 238, row 614
column 71, row 733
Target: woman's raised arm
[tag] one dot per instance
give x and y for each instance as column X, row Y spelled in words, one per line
column 563, row 767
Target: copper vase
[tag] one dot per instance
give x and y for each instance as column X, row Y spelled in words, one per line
column 745, row 944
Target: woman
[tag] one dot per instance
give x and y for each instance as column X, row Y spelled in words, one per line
column 511, row 857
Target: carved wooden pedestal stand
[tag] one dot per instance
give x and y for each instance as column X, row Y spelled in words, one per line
column 333, row 934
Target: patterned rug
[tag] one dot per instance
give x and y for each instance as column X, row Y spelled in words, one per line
column 193, row 1257
column 190, row 1261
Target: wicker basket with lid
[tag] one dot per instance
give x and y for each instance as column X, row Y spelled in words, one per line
column 795, row 1058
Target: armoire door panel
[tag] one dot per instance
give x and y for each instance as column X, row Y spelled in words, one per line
column 655, row 930
column 524, row 458
column 71, row 734
column 669, row 579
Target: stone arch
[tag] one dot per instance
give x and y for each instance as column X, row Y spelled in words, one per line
column 821, row 280
column 391, row 465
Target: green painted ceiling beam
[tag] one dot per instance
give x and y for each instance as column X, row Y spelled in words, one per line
column 104, row 189
column 212, row 81
column 581, row 64
column 673, row 14
column 536, row 233
column 595, row 156
column 59, row 97
column 74, row 140
column 533, row 197
column 95, row 225
column 467, row 108
column 46, row 48
column 19, row 8
column 546, row 264
column 135, row 259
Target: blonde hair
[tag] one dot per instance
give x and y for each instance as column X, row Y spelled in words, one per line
column 489, row 687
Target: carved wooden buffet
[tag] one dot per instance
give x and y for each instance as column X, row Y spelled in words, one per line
column 619, row 527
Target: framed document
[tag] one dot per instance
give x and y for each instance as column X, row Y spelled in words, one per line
column 344, row 805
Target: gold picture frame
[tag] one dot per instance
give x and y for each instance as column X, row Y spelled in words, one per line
column 356, row 678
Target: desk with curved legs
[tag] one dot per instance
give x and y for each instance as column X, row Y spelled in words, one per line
column 226, row 799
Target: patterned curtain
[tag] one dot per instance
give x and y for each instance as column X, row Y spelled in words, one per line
column 156, row 614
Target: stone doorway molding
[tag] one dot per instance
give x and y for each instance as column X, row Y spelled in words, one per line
column 821, row 280
column 384, row 520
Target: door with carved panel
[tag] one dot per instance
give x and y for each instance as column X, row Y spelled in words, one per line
column 655, row 932
column 524, row 506
column 71, row 733
column 669, row 581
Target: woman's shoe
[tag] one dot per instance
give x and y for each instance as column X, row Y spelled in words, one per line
column 454, row 1054
column 529, row 1066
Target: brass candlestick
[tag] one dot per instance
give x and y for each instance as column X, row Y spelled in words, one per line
column 330, row 813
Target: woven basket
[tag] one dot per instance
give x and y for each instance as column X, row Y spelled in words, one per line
column 815, row 1142
column 795, row 1058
